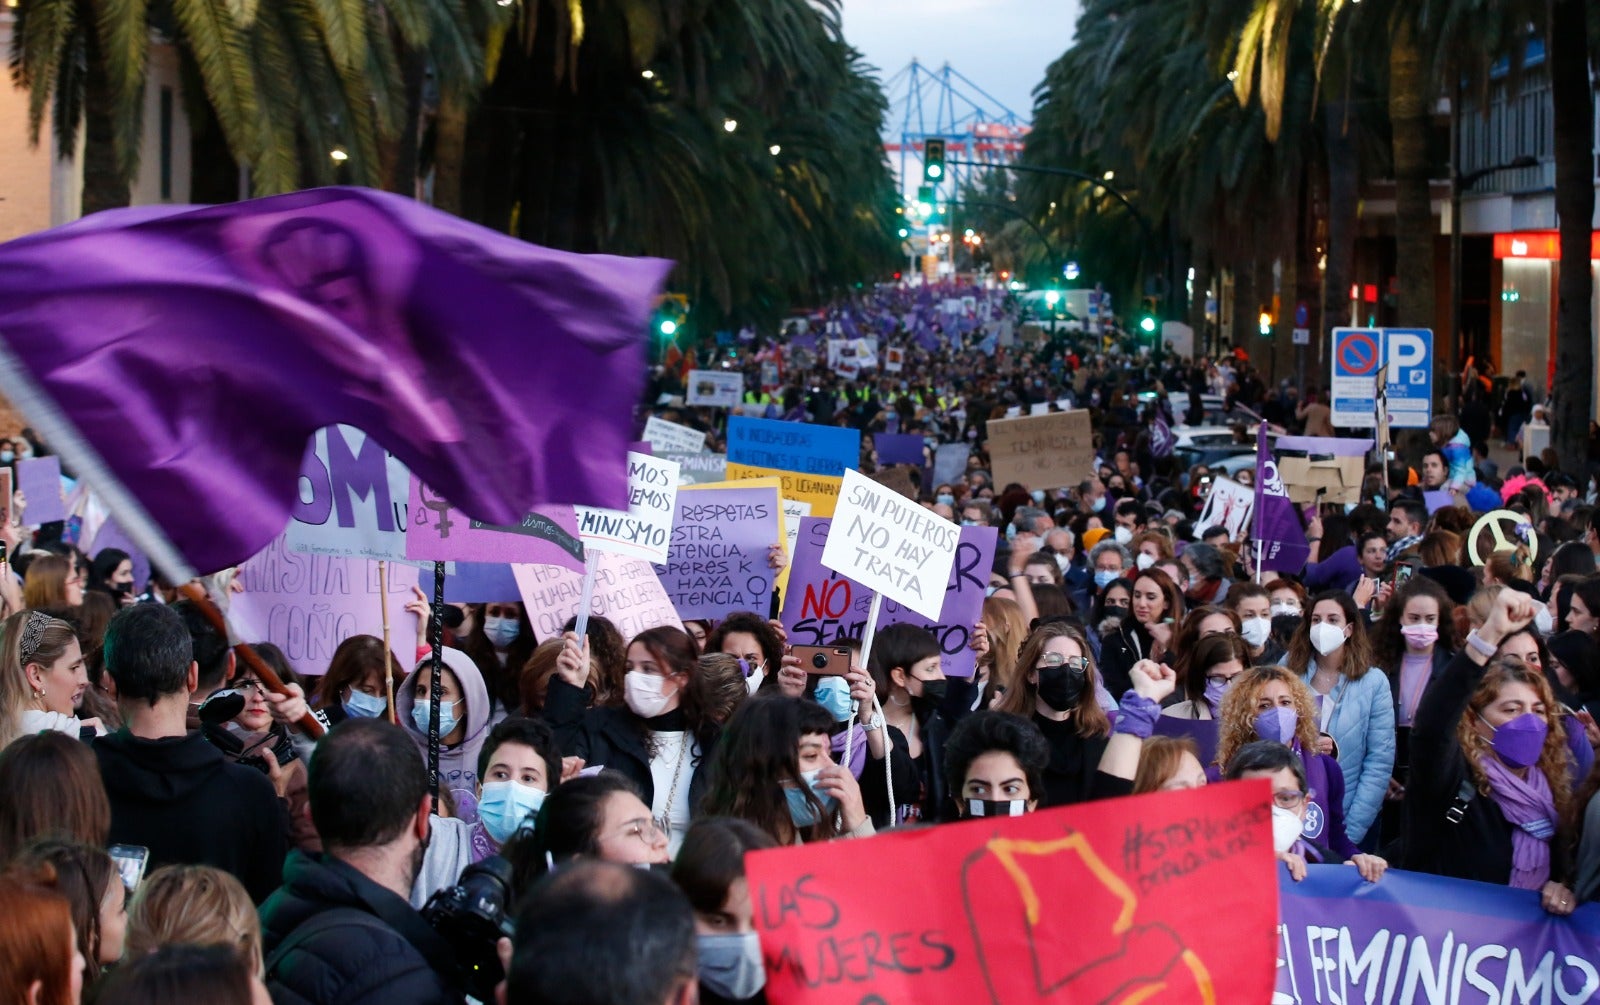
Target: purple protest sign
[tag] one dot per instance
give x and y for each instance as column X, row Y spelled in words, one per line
column 1279, row 534
column 39, row 481
column 821, row 605
column 1413, row 937
column 627, row 593
column 899, row 448
column 481, row 583
column 306, row 604
column 718, row 561
column 111, row 535
column 437, row 531
column 1437, row 501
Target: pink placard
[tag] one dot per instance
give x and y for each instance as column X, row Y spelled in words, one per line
column 438, row 532
column 627, row 593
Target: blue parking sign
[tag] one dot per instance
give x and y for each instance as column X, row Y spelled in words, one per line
column 1357, row 356
column 1408, row 352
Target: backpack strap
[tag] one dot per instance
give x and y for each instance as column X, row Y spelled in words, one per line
column 317, row 925
column 1464, row 796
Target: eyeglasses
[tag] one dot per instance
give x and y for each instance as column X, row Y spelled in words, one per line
column 1216, row 678
column 643, row 829
column 1288, row 799
column 249, row 687
column 1077, row 664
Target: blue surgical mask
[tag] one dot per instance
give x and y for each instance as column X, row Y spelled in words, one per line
column 501, row 632
column 7, row 456
column 730, row 965
column 447, row 716
column 945, row 499
column 505, row 807
column 1099, row 504
column 1011, row 532
column 361, row 705
column 1038, row 495
column 1105, row 577
column 833, row 694
column 801, row 812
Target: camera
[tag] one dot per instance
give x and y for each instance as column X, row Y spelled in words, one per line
column 471, row 916
column 220, row 709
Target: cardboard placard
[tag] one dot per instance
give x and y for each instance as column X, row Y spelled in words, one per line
column 306, row 604
column 645, row 530
column 1114, row 901
column 480, row 583
column 713, row 388
column 891, row 545
column 39, row 481
column 1328, row 479
column 627, row 592
column 820, row 492
column 1042, row 451
column 353, row 498
column 670, row 438
column 437, row 531
column 718, row 562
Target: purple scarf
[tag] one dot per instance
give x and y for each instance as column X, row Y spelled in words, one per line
column 1530, row 807
column 858, row 753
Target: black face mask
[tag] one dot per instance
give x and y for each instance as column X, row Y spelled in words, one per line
column 932, row 696
column 994, row 807
column 1061, row 687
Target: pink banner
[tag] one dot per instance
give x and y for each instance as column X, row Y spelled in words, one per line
column 439, row 532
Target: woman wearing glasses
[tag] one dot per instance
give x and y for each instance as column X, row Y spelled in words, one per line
column 1292, row 804
column 253, row 738
column 1055, row 688
column 601, row 816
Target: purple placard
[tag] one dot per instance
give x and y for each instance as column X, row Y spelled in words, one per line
column 1202, row 731
column 481, row 583
column 642, row 447
column 439, row 532
column 718, row 562
column 1437, row 500
column 39, row 480
column 307, row 604
column 900, row 448
column 822, row 605
column 1413, row 937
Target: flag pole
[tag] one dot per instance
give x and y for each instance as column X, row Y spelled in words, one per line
column 388, row 655
column 436, row 685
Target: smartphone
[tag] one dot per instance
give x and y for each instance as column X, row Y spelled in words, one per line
column 131, row 860
column 824, row 661
column 1404, row 571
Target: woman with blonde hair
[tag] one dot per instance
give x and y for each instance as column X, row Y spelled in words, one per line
column 42, row 677
column 1002, row 620
column 52, row 581
column 1054, row 687
column 193, row 905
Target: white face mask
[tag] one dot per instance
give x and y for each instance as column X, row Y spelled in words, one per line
column 1144, row 560
column 1326, row 638
column 1286, row 827
column 1122, row 535
column 1283, row 609
column 643, row 693
column 1256, row 631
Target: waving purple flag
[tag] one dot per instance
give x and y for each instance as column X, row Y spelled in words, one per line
column 181, row 357
column 1278, row 532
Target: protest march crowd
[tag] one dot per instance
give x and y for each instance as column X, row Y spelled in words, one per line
column 1418, row 687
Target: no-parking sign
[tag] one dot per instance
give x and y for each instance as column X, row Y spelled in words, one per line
column 1359, row 353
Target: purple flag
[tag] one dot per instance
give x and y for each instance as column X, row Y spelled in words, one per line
column 188, row 353
column 1278, row 531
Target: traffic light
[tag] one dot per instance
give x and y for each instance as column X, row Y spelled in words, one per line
column 1266, row 324
column 933, row 160
column 671, row 317
column 1147, row 319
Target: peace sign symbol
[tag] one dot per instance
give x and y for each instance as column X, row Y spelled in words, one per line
column 1494, row 522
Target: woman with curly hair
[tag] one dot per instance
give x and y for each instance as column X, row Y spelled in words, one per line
column 1270, row 703
column 1491, row 783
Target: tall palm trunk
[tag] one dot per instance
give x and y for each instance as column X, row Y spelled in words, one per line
column 449, row 151
column 1572, row 96
column 1245, row 303
column 1344, row 193
column 104, row 184
column 1414, row 228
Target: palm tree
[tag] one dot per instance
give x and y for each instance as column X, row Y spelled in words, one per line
column 1572, row 94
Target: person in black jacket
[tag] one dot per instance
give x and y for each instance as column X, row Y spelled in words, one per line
column 340, row 931
column 1491, row 770
column 170, row 790
column 911, row 689
column 1054, row 688
column 661, row 739
column 1157, row 608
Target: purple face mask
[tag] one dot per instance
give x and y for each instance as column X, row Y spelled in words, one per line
column 1215, row 689
column 1520, row 741
column 1277, row 724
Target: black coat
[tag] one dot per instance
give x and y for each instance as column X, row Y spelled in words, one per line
column 614, row 737
column 1074, row 762
column 380, row 952
column 1119, row 651
column 189, row 805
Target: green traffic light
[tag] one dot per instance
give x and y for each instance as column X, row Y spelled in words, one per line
column 935, row 171
column 669, row 327
column 1148, row 325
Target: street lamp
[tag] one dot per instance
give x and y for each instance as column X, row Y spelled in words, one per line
column 1459, row 183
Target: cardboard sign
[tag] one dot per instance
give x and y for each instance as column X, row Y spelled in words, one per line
column 718, row 561
column 1122, row 901
column 645, row 530
column 714, row 388
column 306, row 604
column 950, row 463
column 1323, row 480
column 802, row 447
column 697, row 469
column 353, row 498
column 1042, row 451
column 821, row 605
column 820, row 492
column 900, row 448
column 439, row 532
column 627, row 592
column 670, row 438
column 39, row 481
column 1228, row 505
column 890, row 545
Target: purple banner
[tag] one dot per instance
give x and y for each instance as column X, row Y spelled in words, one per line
column 822, row 605
column 39, row 480
column 1425, row 939
column 480, row 583
column 900, row 448
column 1278, row 530
column 1335, row 445
column 718, row 562
column 439, row 532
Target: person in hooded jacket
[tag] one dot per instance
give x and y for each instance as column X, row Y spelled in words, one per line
column 170, row 790
column 463, row 723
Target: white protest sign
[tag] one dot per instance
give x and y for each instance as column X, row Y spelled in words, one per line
column 645, row 530
column 793, row 510
column 894, row 359
column 890, row 545
column 714, row 388
column 670, row 438
column 1229, row 506
column 352, row 498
